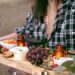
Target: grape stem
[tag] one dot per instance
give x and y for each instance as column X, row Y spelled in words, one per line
column 36, row 60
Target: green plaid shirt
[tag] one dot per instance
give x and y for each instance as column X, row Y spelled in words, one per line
column 64, row 29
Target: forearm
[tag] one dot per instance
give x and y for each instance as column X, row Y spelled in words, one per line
column 10, row 36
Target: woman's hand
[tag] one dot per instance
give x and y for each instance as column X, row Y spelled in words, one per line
column 7, row 37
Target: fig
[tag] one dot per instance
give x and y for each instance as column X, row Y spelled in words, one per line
column 7, row 54
column 4, row 49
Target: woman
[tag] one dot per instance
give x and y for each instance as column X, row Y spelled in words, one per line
column 52, row 20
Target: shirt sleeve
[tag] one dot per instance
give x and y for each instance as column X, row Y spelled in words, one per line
column 27, row 27
column 69, row 31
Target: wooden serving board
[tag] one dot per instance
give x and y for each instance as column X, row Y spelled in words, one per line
column 25, row 67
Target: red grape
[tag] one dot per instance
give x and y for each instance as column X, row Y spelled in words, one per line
column 36, row 55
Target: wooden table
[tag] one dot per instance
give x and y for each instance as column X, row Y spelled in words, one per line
column 9, row 66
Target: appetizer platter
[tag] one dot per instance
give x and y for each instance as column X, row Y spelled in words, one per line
column 41, row 56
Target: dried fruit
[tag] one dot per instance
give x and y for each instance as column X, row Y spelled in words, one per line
column 3, row 49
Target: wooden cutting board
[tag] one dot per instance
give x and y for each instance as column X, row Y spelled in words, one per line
column 26, row 67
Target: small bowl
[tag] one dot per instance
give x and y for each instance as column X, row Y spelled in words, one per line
column 19, row 52
column 6, row 45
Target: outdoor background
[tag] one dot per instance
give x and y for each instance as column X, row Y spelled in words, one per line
column 13, row 14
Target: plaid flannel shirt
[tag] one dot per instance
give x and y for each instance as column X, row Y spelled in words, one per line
column 64, row 29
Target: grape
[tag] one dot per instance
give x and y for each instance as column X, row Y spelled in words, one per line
column 39, row 62
column 32, row 61
column 36, row 55
column 1, row 46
